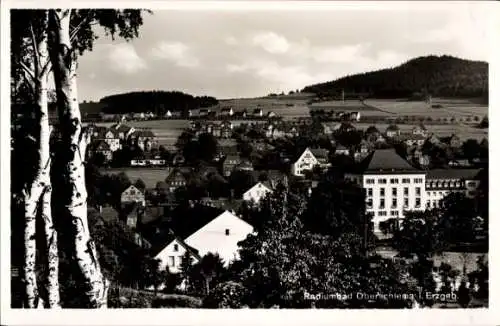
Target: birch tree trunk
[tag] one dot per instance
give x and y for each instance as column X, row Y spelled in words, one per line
column 41, row 181
column 75, row 141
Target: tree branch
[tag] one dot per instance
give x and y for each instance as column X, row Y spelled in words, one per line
column 27, row 70
column 79, row 26
column 35, row 48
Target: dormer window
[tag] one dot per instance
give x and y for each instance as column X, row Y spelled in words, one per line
column 176, row 247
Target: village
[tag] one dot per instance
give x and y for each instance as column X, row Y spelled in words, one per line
column 399, row 172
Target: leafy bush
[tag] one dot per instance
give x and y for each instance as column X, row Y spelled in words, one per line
column 226, row 295
column 176, row 301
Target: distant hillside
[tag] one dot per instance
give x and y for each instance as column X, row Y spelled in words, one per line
column 155, row 101
column 443, row 76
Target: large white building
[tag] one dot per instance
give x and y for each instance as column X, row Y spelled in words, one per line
column 392, row 186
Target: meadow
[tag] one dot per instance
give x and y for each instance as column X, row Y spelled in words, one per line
column 454, row 108
column 461, row 130
column 150, row 176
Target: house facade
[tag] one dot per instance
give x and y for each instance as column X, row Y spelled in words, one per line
column 112, row 139
column 257, row 192
column 175, row 180
column 392, row 131
column 308, row 160
column 171, row 255
column 132, row 195
column 230, row 162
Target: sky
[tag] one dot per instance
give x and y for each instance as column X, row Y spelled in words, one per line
column 247, row 53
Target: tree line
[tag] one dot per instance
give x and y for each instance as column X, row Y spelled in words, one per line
column 444, row 76
column 158, row 102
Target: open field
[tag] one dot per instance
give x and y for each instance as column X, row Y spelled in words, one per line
column 287, row 107
column 150, row 176
column 462, row 131
column 453, row 108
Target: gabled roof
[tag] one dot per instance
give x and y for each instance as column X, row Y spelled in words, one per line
column 120, row 127
column 174, row 175
column 143, row 133
column 387, row 160
column 188, row 221
column 392, row 127
column 420, row 126
column 340, row 147
column 102, row 146
column 167, row 240
column 319, row 153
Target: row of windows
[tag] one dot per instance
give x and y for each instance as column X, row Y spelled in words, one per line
column 394, row 191
column 384, row 213
column 369, row 203
column 394, row 180
column 444, row 184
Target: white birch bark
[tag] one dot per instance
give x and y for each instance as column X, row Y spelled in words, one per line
column 41, row 181
column 75, row 141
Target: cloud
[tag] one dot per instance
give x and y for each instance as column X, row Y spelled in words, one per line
column 271, row 42
column 231, row 40
column 278, row 75
column 176, row 52
column 124, row 59
column 338, row 54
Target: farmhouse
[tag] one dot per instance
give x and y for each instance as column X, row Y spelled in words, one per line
column 391, row 184
column 175, row 180
column 230, row 162
column 453, row 141
column 112, row 139
column 103, row 148
column 227, row 112
column 132, row 195
column 341, row 150
column 123, row 131
column 392, row 131
column 420, row 130
column 257, row 192
column 258, row 113
column 309, row 159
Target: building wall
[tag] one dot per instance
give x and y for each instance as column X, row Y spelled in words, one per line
column 306, row 161
column 256, row 193
column 171, row 258
column 132, row 194
column 212, row 237
column 373, row 185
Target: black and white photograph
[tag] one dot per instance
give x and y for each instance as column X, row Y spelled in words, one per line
column 245, row 156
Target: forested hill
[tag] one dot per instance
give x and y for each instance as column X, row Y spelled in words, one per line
column 154, row 101
column 444, row 76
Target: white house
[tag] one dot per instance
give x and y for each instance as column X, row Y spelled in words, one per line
column 112, row 140
column 309, row 159
column 392, row 186
column 132, row 195
column 168, row 114
column 220, row 236
column 171, row 255
column 257, row 192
